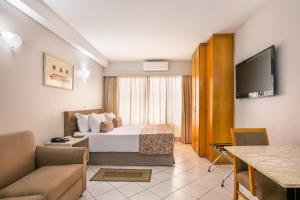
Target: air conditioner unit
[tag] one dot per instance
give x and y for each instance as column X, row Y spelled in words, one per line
column 156, row 66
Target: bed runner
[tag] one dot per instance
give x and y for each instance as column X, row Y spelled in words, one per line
column 156, row 140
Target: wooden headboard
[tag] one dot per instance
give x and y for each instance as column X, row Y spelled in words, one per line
column 70, row 121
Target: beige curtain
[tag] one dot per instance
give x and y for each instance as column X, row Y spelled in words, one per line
column 111, row 94
column 186, row 124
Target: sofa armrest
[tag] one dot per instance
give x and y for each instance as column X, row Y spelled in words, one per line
column 60, row 155
column 32, row 197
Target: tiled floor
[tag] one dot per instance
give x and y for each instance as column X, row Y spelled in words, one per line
column 188, row 179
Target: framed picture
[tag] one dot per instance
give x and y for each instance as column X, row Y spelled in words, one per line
column 57, row 73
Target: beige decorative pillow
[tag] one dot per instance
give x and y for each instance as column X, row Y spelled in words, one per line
column 110, row 125
column 106, row 126
column 117, row 122
column 103, row 127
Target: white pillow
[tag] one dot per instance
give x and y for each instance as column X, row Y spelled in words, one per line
column 112, row 115
column 95, row 121
column 109, row 116
column 82, row 122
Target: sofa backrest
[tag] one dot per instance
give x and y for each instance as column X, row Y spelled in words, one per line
column 17, row 156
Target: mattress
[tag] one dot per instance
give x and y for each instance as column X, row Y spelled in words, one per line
column 122, row 139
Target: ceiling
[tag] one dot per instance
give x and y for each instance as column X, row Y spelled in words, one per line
column 152, row 29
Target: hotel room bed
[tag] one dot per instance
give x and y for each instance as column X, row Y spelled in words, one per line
column 122, row 139
column 126, row 145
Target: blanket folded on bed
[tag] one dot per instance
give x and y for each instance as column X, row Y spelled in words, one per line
column 156, row 139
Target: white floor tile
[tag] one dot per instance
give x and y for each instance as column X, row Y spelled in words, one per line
column 117, row 184
column 195, row 190
column 161, row 176
column 223, row 169
column 189, row 176
column 174, row 171
column 89, row 174
column 177, row 182
column 188, row 179
column 224, row 190
column 99, row 188
column 203, row 162
column 86, row 196
column 178, row 195
column 149, row 184
column 111, row 195
column 91, row 198
column 185, row 165
column 214, row 196
column 206, row 182
column 131, row 189
column 162, row 189
column 200, row 170
column 215, row 177
column 145, row 195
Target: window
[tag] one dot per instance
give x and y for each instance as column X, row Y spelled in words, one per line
column 151, row 100
column 132, row 100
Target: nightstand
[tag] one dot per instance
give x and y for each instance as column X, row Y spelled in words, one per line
column 73, row 142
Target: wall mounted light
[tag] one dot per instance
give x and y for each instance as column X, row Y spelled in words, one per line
column 12, row 39
column 84, row 73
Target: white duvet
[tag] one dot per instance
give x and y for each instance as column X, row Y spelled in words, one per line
column 122, row 139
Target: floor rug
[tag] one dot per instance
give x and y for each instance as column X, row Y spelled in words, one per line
column 123, row 175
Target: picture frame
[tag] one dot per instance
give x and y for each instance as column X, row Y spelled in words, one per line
column 57, row 73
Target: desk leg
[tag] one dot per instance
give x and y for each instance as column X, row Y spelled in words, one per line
column 293, row 193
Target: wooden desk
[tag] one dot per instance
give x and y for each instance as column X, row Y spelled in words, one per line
column 280, row 163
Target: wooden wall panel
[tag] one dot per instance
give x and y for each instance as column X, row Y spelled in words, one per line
column 197, row 95
column 212, row 76
column 209, row 93
column 193, row 100
column 220, row 90
column 202, row 111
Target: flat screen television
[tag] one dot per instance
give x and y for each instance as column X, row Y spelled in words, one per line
column 255, row 77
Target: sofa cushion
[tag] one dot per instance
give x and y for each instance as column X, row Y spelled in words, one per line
column 32, row 197
column 50, row 181
column 17, row 155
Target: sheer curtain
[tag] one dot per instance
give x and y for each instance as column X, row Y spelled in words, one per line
column 132, row 100
column 165, row 101
column 151, row 100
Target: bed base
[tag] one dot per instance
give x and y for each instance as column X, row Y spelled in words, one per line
column 130, row 159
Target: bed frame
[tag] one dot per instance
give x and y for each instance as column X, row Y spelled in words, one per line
column 114, row 158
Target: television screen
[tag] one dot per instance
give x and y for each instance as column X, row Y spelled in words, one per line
column 255, row 77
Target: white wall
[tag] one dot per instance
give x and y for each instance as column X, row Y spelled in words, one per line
column 136, row 68
column 24, row 102
column 278, row 23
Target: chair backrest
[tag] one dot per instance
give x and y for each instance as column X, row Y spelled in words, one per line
column 248, row 137
column 17, row 156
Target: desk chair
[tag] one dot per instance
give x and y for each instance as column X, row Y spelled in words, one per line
column 257, row 183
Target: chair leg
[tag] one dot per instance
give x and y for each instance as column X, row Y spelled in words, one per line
column 225, row 177
column 214, row 162
column 251, row 180
column 235, row 190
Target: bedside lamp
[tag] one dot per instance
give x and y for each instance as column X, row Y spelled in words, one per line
column 12, row 39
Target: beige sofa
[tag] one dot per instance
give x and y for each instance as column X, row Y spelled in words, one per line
column 30, row 172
